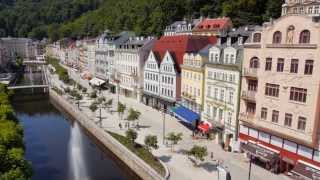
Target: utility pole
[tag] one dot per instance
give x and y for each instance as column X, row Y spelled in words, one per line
column 164, row 126
column 249, row 177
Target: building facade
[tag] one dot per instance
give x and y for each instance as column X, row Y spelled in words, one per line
column 213, row 27
column 192, row 83
column 279, row 110
column 130, row 58
column 303, row 7
column 162, row 71
column 222, row 86
column 181, row 27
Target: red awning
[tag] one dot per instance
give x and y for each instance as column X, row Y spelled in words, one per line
column 204, row 127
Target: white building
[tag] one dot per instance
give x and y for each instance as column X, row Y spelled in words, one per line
column 222, row 86
column 301, row 7
column 183, row 27
column 130, row 58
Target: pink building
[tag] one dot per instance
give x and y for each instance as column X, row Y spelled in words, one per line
column 280, row 104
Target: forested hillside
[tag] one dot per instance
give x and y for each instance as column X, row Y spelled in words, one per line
column 78, row 18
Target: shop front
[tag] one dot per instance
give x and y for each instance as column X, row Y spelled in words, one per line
column 266, row 157
column 305, row 171
column 290, row 152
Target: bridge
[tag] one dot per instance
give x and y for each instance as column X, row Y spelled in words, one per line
column 34, row 62
column 28, row 87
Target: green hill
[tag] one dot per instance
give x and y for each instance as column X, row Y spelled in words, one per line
column 79, row 18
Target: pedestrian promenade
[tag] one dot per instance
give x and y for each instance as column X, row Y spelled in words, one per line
column 180, row 167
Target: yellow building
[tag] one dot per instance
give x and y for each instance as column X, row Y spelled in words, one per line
column 192, row 83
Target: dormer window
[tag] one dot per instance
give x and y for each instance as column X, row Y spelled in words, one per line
column 240, row 40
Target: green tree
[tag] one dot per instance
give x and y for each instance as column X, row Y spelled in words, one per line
column 151, row 142
column 108, row 104
column 121, row 108
column 174, row 138
column 131, row 135
column 133, row 115
column 93, row 94
column 198, row 152
column 93, row 107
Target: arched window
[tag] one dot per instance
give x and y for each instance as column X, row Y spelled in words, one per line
column 304, row 37
column 254, row 62
column 257, row 37
column 277, row 37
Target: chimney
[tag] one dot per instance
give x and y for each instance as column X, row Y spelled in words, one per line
column 240, row 40
column 218, row 41
column 229, row 41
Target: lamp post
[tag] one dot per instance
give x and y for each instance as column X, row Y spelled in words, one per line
column 163, row 126
column 249, row 176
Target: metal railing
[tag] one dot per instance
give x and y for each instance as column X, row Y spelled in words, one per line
column 250, row 72
column 249, row 95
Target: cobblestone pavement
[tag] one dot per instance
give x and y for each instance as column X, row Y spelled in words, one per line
column 180, row 166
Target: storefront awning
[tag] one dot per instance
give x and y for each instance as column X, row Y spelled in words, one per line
column 185, row 114
column 97, row 82
column 260, row 152
column 204, row 127
column 306, row 170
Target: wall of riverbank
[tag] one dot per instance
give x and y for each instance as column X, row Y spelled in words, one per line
column 130, row 159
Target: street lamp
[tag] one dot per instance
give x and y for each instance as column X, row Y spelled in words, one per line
column 163, row 125
column 249, row 176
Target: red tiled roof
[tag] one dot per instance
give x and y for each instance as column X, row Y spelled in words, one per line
column 179, row 45
column 213, row 24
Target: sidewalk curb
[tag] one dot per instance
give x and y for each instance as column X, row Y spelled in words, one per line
column 167, row 176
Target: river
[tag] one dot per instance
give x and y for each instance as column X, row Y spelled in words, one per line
column 61, row 150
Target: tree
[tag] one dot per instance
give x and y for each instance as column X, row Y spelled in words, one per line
column 121, row 108
column 93, row 107
column 151, row 142
column 93, row 94
column 133, row 115
column 198, row 152
column 108, row 104
column 174, row 138
column 131, row 135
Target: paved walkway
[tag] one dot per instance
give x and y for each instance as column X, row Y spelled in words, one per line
column 180, row 167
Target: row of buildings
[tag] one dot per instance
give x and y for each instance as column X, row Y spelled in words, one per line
column 257, row 86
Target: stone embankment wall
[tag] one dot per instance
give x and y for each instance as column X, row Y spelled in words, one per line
column 136, row 164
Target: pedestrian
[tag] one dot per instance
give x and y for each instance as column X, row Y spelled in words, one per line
column 120, row 125
column 211, row 156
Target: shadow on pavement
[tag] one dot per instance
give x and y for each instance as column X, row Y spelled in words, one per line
column 165, row 158
column 209, row 166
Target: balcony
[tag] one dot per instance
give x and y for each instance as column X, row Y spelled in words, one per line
column 188, row 96
column 250, row 72
column 249, row 95
column 247, row 117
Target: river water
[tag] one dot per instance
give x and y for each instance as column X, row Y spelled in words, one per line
column 59, row 149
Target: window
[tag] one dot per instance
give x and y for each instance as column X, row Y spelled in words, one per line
column 280, row 65
column 316, row 9
column 231, row 97
column 294, row 66
column 272, row 90
column 302, row 123
column 277, row 37
column 304, row 37
column 256, row 37
column 215, row 93
column 229, row 117
column 227, row 59
column 310, row 10
column 252, row 85
column 264, row 113
column 209, row 91
column 251, row 108
column 308, row 68
column 298, row 94
column 288, row 120
column 254, row 62
column 268, row 64
column 275, row 116
column 222, row 95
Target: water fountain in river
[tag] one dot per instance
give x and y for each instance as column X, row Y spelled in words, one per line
column 76, row 155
